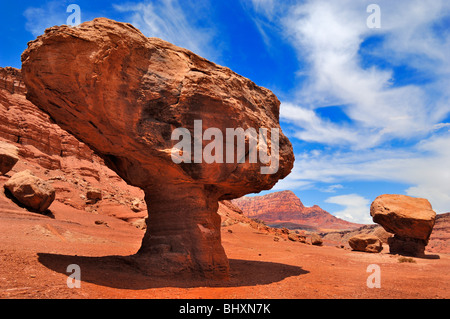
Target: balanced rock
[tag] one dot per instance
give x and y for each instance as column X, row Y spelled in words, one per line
column 410, row 219
column 124, row 95
column 9, row 156
column 366, row 242
column 31, row 191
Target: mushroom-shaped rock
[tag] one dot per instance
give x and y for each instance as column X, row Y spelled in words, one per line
column 166, row 120
column 410, row 219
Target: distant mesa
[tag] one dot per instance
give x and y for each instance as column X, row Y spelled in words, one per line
column 285, row 209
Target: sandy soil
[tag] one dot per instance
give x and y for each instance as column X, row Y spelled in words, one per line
column 35, row 251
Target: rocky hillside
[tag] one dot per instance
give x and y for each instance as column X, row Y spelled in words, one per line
column 55, row 155
column 286, row 209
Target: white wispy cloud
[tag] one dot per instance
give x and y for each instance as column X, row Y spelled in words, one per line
column 49, row 14
column 170, row 21
column 265, row 7
column 425, row 166
column 329, row 34
column 329, row 37
column 356, row 208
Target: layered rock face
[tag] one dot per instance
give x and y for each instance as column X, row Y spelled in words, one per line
column 123, row 95
column 410, row 219
column 39, row 139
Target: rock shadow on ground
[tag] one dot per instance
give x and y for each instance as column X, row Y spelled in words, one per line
column 122, row 272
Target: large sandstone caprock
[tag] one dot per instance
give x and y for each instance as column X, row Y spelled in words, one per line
column 410, row 219
column 124, row 94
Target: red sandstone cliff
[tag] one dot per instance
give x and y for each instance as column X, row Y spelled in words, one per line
column 285, row 207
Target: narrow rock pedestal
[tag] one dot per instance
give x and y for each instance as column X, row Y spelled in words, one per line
column 183, row 232
column 407, row 246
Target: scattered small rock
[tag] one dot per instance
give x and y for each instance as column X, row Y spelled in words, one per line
column 101, row 222
column 316, row 240
column 136, row 205
column 93, row 195
column 297, row 238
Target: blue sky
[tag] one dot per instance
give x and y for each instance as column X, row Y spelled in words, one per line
column 367, row 109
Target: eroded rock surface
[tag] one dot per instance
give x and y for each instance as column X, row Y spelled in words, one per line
column 123, row 95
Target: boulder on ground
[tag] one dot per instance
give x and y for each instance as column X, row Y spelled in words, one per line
column 316, row 240
column 9, row 156
column 31, row 191
column 296, row 237
column 366, row 243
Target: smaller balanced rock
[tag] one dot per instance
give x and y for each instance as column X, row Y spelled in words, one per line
column 410, row 219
